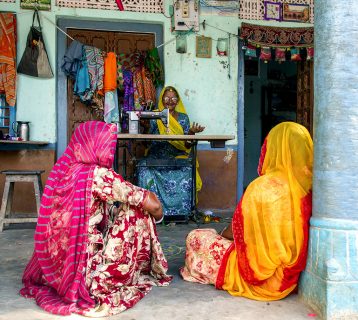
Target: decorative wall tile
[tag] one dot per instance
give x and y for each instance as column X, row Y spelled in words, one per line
column 155, row 6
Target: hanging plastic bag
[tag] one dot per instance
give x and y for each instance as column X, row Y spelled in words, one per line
column 34, row 61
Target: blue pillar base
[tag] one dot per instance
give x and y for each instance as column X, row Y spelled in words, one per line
column 330, row 282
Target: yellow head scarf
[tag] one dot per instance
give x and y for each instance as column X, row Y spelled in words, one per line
column 176, row 128
column 290, row 150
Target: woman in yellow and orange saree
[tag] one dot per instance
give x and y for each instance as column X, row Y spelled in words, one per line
column 263, row 251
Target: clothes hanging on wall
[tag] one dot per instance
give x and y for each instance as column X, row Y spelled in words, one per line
column 8, row 57
column 111, row 111
column 154, row 67
column 72, row 59
column 102, row 83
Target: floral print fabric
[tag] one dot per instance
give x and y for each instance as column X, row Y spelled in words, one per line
column 172, row 184
column 125, row 256
column 205, row 249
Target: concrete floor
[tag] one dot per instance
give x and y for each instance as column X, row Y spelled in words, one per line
column 181, row 300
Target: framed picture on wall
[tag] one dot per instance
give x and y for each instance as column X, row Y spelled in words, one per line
column 295, row 12
column 203, row 47
column 272, row 10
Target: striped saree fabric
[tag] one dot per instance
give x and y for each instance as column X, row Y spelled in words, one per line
column 55, row 275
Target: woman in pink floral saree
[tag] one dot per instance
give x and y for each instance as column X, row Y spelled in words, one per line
column 88, row 259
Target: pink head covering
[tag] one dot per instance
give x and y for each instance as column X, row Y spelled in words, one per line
column 55, row 276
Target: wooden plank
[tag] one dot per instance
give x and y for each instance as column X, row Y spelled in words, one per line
column 24, row 142
column 19, row 220
column 175, row 137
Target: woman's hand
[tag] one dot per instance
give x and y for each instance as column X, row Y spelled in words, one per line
column 227, row 232
column 153, row 206
column 196, row 128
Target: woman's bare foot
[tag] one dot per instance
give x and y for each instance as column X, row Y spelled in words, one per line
column 98, row 312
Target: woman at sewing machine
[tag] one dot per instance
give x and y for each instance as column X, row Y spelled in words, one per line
column 172, row 184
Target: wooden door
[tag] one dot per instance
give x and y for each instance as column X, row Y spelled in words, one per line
column 118, row 42
column 305, row 94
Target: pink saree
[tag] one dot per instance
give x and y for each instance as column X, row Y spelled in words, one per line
column 57, row 274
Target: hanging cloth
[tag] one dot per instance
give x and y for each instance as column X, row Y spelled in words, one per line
column 110, row 88
column 8, row 57
column 128, row 102
column 95, row 65
column 72, row 59
column 110, row 72
column 154, row 67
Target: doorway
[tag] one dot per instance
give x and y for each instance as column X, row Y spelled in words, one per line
column 121, row 37
column 108, row 41
column 273, row 93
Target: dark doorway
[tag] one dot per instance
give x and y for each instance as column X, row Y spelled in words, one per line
column 273, row 93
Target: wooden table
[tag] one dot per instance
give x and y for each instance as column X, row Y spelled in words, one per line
column 216, row 141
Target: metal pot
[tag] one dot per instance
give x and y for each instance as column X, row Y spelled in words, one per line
column 22, row 129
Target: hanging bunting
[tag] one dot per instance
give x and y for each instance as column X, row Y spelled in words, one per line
column 280, row 55
column 268, row 36
column 310, row 53
column 265, row 54
column 250, row 51
column 295, row 55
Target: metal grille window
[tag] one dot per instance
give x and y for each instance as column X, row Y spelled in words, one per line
column 154, row 6
column 7, row 117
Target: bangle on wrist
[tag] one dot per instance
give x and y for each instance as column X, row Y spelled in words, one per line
column 222, row 231
column 160, row 220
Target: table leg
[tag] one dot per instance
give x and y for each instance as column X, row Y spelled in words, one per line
column 195, row 215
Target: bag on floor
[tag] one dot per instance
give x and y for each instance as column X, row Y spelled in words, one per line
column 34, row 61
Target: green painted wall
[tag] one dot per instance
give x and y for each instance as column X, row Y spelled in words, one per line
column 209, row 95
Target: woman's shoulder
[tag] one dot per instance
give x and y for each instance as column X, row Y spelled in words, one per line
column 182, row 115
column 268, row 187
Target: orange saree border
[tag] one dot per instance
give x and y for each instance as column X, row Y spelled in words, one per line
column 221, row 274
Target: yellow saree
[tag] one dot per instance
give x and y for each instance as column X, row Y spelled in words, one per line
column 176, row 129
column 270, row 224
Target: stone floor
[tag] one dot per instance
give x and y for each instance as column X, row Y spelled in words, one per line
column 181, row 300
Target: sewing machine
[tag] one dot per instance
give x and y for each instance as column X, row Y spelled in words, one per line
column 135, row 116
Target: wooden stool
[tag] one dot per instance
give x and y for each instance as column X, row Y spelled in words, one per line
column 12, row 176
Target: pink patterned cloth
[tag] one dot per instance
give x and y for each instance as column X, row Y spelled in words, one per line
column 205, row 249
column 58, row 275
column 126, row 258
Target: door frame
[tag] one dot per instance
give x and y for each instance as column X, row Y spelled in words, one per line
column 240, row 122
column 61, row 87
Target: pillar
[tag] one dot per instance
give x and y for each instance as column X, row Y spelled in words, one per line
column 330, row 282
